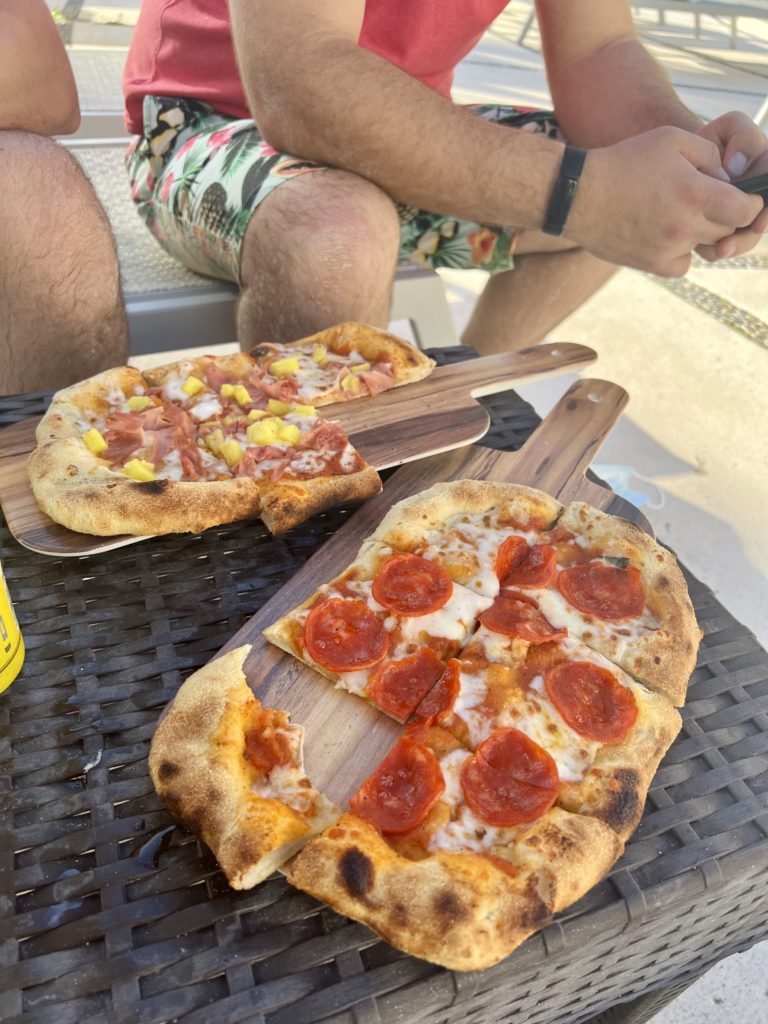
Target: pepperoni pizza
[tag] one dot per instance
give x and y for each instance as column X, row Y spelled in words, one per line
column 214, row 439
column 535, row 655
column 525, row 766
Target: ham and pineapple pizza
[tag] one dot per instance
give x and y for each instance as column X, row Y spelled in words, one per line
column 211, row 440
column 231, row 771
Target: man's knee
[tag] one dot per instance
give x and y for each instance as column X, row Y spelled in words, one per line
column 329, row 220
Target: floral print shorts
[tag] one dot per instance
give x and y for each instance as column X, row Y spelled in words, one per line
column 197, row 176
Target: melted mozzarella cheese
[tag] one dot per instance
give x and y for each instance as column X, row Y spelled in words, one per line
column 561, row 613
column 472, row 693
column 288, row 782
column 206, row 409
column 172, row 384
column 454, row 621
column 472, row 543
column 171, row 467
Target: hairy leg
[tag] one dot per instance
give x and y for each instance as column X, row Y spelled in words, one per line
column 61, row 311
column 519, row 307
column 320, row 249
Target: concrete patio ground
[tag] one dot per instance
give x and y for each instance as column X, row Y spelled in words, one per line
column 693, row 355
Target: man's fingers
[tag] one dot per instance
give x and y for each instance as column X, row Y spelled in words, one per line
column 727, row 206
column 739, row 140
column 704, row 154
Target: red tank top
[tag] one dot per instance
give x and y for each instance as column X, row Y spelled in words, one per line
column 184, row 47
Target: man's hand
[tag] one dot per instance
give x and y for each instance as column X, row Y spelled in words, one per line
column 649, row 201
column 743, row 150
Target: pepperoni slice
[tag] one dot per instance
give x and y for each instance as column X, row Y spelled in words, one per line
column 398, row 686
column 410, row 585
column 516, row 614
column 441, row 698
column 345, row 635
column 265, row 745
column 603, row 591
column 402, row 791
column 591, row 700
column 518, row 565
column 510, row 779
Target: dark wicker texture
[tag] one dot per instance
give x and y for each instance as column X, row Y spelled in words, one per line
column 108, row 913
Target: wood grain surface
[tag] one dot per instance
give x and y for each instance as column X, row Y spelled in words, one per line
column 346, row 738
column 430, row 416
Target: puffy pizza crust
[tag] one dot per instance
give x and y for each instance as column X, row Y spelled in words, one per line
column 198, row 767
column 75, row 488
column 74, row 409
column 408, row 523
column 456, row 909
column 664, row 659
column 408, row 362
column 615, row 787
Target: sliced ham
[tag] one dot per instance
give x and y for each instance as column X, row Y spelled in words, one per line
column 283, row 390
column 326, row 437
column 379, row 378
column 124, row 436
column 249, row 464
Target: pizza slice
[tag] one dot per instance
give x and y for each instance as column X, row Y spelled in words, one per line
column 436, row 857
column 615, row 588
column 464, row 525
column 345, row 362
column 119, row 454
column 383, row 629
column 231, row 771
column 605, row 732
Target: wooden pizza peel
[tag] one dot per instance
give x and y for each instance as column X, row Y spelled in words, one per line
column 429, row 416
column 345, row 737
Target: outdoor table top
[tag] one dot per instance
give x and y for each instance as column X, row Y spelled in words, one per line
column 109, row 913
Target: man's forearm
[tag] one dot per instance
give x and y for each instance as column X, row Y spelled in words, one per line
column 417, row 146
column 614, row 93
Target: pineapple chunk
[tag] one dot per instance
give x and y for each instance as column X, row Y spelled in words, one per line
column 360, row 367
column 94, row 441
column 232, row 451
column 289, row 433
column 320, row 354
column 227, row 390
column 240, row 394
column 264, row 432
column 304, row 410
column 192, row 385
column 257, row 414
column 351, row 384
column 214, row 441
column 140, row 469
column 283, row 367
column 277, row 407
column 138, row 403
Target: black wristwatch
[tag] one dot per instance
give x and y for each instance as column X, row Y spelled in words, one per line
column 563, row 193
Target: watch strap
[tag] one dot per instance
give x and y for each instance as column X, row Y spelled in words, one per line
column 564, row 192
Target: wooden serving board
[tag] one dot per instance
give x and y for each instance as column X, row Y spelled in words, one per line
column 345, row 737
column 430, row 416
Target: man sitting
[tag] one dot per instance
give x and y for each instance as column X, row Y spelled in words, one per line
column 61, row 311
column 360, row 158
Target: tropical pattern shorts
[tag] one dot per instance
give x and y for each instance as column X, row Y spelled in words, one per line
column 197, row 176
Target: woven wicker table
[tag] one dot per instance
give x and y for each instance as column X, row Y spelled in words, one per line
column 109, row 914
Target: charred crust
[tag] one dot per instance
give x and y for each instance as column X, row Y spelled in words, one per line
column 167, row 771
column 259, row 351
column 356, row 871
column 536, row 914
column 153, row 486
column 662, row 582
column 399, row 915
column 624, row 807
column 449, row 908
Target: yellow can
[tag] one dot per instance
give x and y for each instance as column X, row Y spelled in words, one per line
column 11, row 643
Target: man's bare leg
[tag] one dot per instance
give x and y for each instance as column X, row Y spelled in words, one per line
column 319, row 250
column 518, row 308
column 61, row 311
